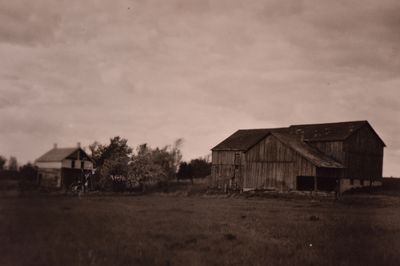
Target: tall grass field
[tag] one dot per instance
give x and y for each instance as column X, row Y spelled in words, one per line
column 198, row 230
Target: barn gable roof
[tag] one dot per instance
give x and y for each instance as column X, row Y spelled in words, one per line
column 244, row 139
column 328, row 131
column 58, row 154
column 311, row 154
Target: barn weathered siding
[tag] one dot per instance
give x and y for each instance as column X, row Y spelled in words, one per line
column 272, row 165
column 333, row 149
column 227, row 168
column 326, row 157
column 364, row 155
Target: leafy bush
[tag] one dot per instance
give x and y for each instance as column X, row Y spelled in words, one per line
column 119, row 169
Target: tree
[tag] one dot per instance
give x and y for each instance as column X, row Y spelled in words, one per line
column 185, row 171
column 144, row 168
column 28, row 171
column 197, row 168
column 13, row 164
column 111, row 160
column 118, row 151
column 176, row 154
column 28, row 176
column 201, row 168
column 117, row 163
column 96, row 150
column 3, row 162
column 157, row 165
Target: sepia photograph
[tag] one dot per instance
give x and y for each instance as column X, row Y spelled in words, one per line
column 199, row 132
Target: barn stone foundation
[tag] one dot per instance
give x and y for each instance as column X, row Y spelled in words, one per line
column 347, row 184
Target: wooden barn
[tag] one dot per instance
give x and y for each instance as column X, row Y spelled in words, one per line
column 315, row 157
column 60, row 167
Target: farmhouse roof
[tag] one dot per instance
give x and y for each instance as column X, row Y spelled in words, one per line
column 244, row 139
column 57, row 154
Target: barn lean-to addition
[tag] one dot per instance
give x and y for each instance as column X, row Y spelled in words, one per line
column 320, row 157
column 60, row 167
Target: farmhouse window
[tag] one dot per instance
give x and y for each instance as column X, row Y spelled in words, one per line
column 362, row 182
column 73, row 164
column 82, row 164
column 352, row 181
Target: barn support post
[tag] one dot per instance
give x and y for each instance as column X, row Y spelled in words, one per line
column 370, row 185
column 338, row 188
column 315, row 184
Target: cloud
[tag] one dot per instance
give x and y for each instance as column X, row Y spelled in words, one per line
column 360, row 36
column 28, row 22
column 153, row 71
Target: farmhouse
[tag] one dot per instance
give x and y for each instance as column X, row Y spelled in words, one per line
column 315, row 157
column 60, row 167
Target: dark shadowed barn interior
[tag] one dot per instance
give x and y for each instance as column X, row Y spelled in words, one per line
column 316, row 157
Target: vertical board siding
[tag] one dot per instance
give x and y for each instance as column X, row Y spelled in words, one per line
column 272, row 165
column 223, row 168
column 364, row 155
column 333, row 149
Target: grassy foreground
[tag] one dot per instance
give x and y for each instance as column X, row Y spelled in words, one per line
column 167, row 230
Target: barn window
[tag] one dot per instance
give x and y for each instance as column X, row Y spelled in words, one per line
column 237, row 158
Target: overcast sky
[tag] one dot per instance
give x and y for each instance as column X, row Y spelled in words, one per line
column 156, row 70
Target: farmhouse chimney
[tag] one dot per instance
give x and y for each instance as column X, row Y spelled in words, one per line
column 55, row 146
column 78, row 144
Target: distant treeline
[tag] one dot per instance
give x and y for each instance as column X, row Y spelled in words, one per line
column 10, row 169
column 26, row 175
column 119, row 167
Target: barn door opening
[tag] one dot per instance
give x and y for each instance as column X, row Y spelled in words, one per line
column 235, row 180
column 326, row 184
column 305, row 183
